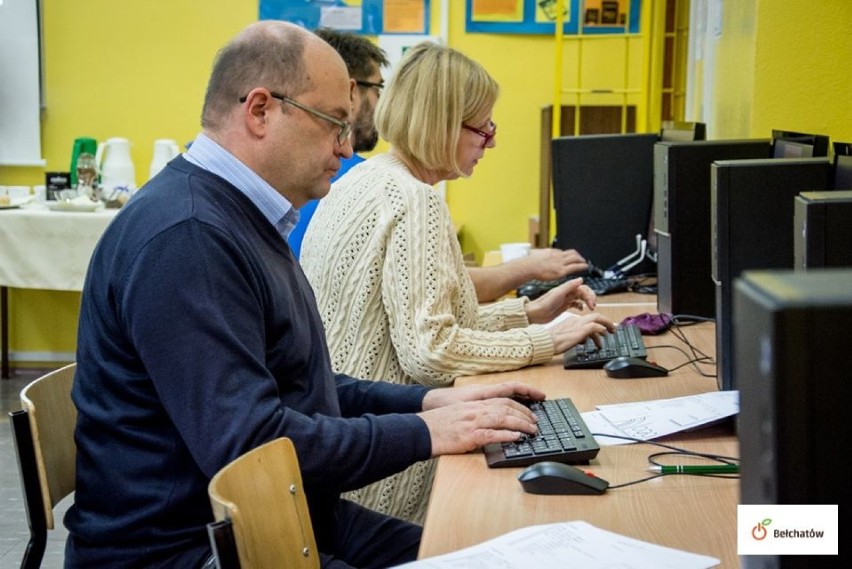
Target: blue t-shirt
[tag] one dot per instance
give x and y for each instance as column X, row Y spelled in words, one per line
column 306, row 212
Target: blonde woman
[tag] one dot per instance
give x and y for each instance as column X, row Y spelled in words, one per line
column 382, row 256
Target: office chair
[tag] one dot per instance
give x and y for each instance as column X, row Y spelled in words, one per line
column 43, row 432
column 262, row 514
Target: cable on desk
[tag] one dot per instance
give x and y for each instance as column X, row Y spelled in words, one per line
column 698, row 357
column 690, row 361
column 673, row 451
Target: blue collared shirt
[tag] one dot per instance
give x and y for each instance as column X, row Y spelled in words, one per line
column 207, row 154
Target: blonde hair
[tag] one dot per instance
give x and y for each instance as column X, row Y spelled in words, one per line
column 434, row 90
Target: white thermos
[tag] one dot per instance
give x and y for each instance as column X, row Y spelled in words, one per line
column 116, row 166
column 164, row 150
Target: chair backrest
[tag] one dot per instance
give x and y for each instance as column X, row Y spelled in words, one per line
column 262, row 496
column 53, row 417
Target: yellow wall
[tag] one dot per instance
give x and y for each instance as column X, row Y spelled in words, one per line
column 138, row 70
column 784, row 64
column 803, row 68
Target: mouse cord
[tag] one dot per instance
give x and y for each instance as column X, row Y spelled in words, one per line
column 673, row 451
column 684, row 320
column 703, row 359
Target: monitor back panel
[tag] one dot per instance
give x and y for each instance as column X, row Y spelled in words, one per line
column 752, row 220
column 682, row 220
column 602, row 192
column 822, row 229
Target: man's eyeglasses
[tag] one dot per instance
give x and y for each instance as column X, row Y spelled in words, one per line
column 486, row 136
column 370, row 85
column 345, row 127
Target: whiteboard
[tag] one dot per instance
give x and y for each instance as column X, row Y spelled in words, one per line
column 20, row 99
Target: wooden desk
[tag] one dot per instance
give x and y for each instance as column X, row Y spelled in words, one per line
column 471, row 503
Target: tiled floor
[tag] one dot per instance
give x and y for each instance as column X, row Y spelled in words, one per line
column 13, row 520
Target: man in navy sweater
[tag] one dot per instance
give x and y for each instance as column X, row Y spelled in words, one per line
column 199, row 337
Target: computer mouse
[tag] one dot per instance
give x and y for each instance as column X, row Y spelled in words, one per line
column 627, row 368
column 530, row 290
column 550, row 477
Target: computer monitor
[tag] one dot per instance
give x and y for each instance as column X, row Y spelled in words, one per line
column 752, row 219
column 676, row 131
column 842, row 175
column 682, row 219
column 789, row 144
column 792, row 340
column 602, row 191
column 822, row 229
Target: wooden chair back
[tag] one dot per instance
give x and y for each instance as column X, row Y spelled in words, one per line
column 43, row 432
column 261, row 495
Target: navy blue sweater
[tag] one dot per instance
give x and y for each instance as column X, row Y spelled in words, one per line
column 199, row 340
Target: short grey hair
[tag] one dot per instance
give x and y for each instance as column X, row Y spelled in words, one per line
column 267, row 54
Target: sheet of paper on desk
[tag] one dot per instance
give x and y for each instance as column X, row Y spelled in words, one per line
column 648, row 420
column 567, row 544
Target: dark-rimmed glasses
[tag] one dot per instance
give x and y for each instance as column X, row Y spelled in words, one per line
column 486, row 136
column 345, row 127
column 371, row 85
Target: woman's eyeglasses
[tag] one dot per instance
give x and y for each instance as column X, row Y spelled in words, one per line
column 486, row 136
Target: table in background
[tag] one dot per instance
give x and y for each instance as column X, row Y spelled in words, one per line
column 471, row 503
column 44, row 249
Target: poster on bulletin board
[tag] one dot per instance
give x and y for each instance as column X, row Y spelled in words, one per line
column 538, row 16
column 367, row 17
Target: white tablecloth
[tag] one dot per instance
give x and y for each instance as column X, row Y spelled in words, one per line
column 45, row 249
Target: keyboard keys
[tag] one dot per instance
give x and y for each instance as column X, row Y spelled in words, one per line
column 563, row 437
column 625, row 341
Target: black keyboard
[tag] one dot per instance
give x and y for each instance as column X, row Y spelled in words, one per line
column 625, row 341
column 599, row 285
column 563, row 437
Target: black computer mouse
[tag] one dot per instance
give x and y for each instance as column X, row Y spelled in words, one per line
column 627, row 368
column 557, row 478
column 530, row 290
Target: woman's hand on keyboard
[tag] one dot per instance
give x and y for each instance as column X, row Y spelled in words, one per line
column 463, row 427
column 570, row 294
column 572, row 331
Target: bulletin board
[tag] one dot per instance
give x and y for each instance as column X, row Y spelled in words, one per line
column 367, row 17
column 538, row 16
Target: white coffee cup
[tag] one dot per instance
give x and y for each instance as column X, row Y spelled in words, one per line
column 511, row 251
column 40, row 193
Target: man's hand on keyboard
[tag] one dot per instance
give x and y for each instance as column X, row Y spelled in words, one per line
column 571, row 294
column 462, row 427
column 510, row 389
column 573, row 331
column 553, row 264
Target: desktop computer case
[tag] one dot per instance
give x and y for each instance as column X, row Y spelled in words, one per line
column 752, row 220
column 682, row 220
column 822, row 229
column 790, row 329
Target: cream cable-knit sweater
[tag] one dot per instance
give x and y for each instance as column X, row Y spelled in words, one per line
column 397, row 303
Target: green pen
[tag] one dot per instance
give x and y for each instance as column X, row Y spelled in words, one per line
column 697, row 469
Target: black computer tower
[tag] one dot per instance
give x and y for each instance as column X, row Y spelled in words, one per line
column 822, row 229
column 793, row 345
column 682, row 220
column 602, row 191
column 752, row 219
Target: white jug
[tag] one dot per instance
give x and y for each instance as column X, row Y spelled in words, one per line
column 116, row 166
column 164, row 150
